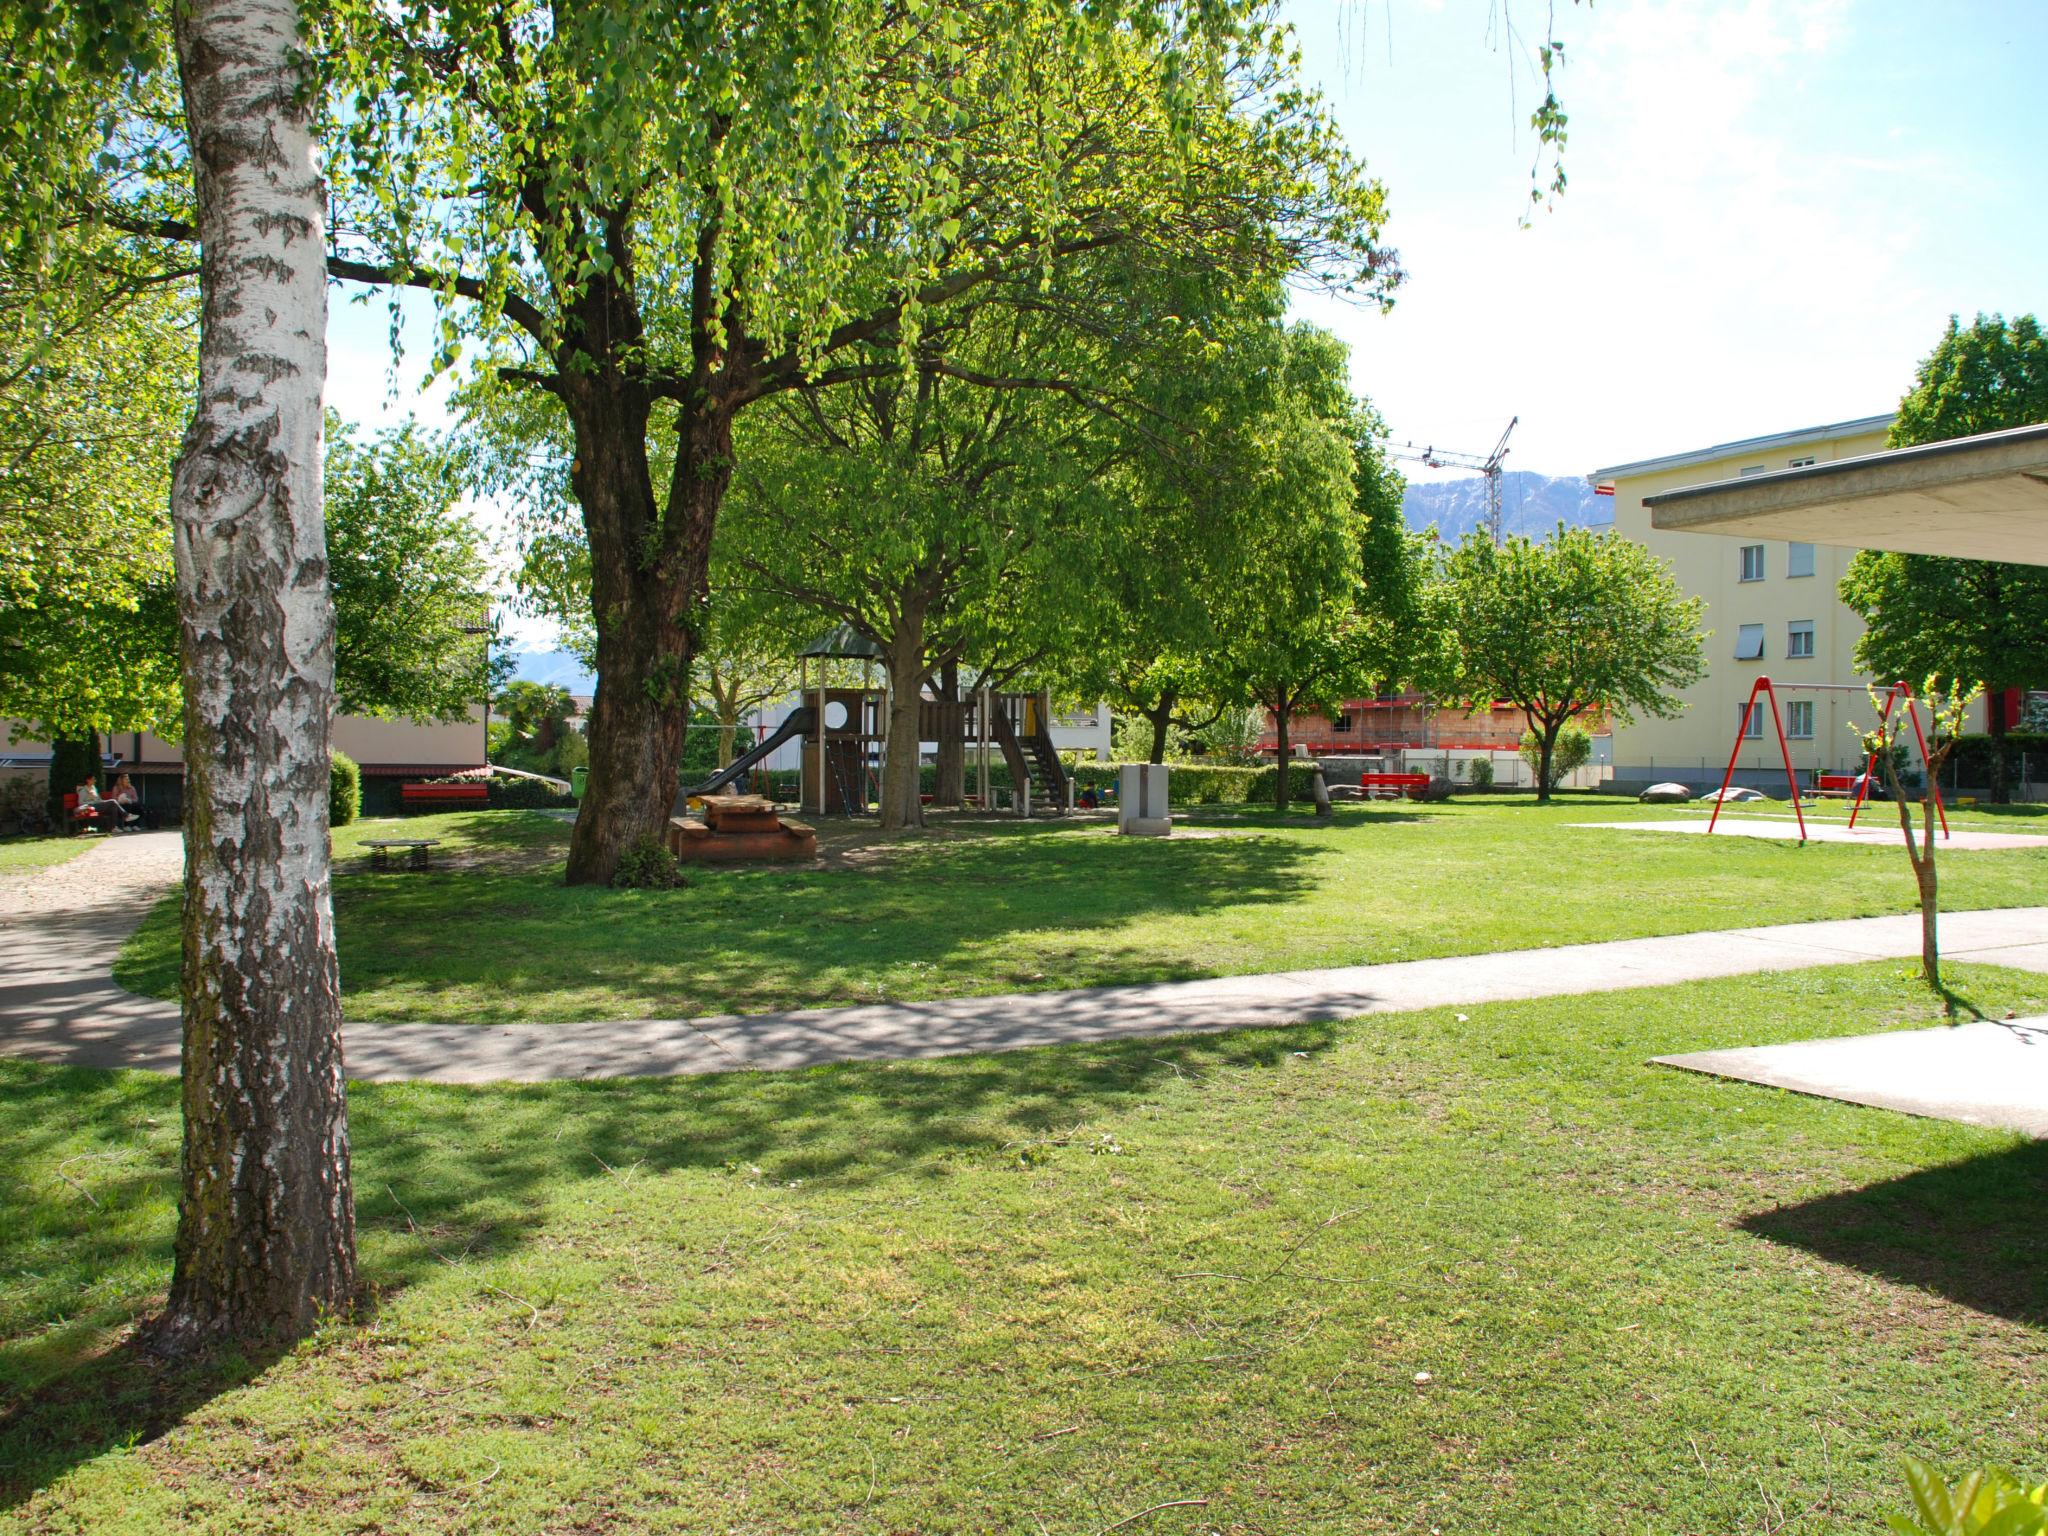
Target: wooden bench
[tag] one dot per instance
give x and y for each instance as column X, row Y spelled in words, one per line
column 1392, row 786
column 444, row 794
column 1834, row 784
column 383, row 849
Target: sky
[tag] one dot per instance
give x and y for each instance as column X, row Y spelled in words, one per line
column 1772, row 209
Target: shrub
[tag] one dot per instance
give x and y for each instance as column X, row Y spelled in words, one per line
column 344, row 789
column 527, row 795
column 1987, row 1500
column 1186, row 784
column 647, row 865
column 1479, row 773
column 1301, row 781
column 1574, row 750
column 1974, row 754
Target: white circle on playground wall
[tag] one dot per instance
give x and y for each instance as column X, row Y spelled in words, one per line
column 835, row 715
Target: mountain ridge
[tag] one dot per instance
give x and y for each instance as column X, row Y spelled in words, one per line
column 1531, row 504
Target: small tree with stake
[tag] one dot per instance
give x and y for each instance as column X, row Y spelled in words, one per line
column 1949, row 711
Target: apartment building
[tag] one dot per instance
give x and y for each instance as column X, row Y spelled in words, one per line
column 1772, row 609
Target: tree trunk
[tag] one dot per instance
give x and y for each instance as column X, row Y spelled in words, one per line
column 902, row 805
column 1161, row 716
column 647, row 600
column 1547, row 751
column 949, row 777
column 1280, row 715
column 1930, row 946
column 266, row 1218
column 728, row 732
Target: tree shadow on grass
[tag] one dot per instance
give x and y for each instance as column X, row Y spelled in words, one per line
column 1975, row 1232
column 453, row 1176
column 982, row 914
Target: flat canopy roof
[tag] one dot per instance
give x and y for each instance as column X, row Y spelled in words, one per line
column 1978, row 498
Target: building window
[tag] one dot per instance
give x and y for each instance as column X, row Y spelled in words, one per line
column 1754, row 469
column 1749, row 642
column 1799, row 719
column 1799, row 638
column 1798, row 559
column 1802, row 463
column 1752, row 562
column 1342, row 723
column 1752, row 716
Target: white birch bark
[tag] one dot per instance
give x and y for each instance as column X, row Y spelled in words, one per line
column 266, row 1241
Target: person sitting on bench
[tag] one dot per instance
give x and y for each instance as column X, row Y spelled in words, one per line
column 108, row 815
column 129, row 798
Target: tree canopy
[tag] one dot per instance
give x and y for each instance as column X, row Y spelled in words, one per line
column 1577, row 623
column 1963, row 622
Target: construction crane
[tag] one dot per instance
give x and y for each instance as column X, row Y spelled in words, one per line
column 1445, row 458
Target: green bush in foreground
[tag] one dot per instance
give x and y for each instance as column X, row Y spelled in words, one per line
column 647, row 865
column 1989, row 1502
column 344, row 789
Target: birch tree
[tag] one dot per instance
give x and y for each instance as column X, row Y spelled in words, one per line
column 266, row 1222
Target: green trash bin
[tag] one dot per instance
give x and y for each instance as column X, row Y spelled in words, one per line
column 578, row 776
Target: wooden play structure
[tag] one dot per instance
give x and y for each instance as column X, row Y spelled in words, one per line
column 1763, row 688
column 842, row 731
column 739, row 829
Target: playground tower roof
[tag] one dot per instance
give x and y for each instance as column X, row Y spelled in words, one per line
column 842, row 642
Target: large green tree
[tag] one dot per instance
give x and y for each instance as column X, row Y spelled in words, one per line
column 1327, row 604
column 410, row 579
column 1967, row 622
column 1578, row 623
column 95, row 386
column 661, row 216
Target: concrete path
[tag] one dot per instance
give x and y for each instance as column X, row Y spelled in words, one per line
column 1982, row 1074
column 1881, row 835
column 60, row 930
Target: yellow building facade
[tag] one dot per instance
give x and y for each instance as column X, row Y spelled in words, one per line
column 1772, row 610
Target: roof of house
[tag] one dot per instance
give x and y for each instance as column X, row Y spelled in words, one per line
column 1976, row 498
column 1748, row 445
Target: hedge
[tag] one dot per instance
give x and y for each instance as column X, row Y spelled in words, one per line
column 1301, row 783
column 1184, row 783
column 344, row 789
column 1974, row 754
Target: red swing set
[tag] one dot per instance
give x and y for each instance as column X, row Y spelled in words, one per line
column 1763, row 685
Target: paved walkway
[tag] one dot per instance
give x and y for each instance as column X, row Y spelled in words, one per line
column 60, row 931
column 1874, row 834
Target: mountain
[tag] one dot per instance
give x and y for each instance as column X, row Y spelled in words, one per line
column 1530, row 504
column 562, row 669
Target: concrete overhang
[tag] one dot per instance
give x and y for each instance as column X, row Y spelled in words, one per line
column 1977, row 498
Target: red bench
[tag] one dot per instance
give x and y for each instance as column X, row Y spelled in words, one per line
column 444, row 794
column 1835, row 784
column 1392, row 786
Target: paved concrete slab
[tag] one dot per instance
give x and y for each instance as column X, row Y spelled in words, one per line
column 1980, row 1073
column 1883, row 834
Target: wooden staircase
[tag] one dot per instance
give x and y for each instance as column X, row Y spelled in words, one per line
column 1028, row 750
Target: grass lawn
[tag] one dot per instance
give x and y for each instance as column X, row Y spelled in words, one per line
column 1422, row 1272
column 20, row 855
column 997, row 906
